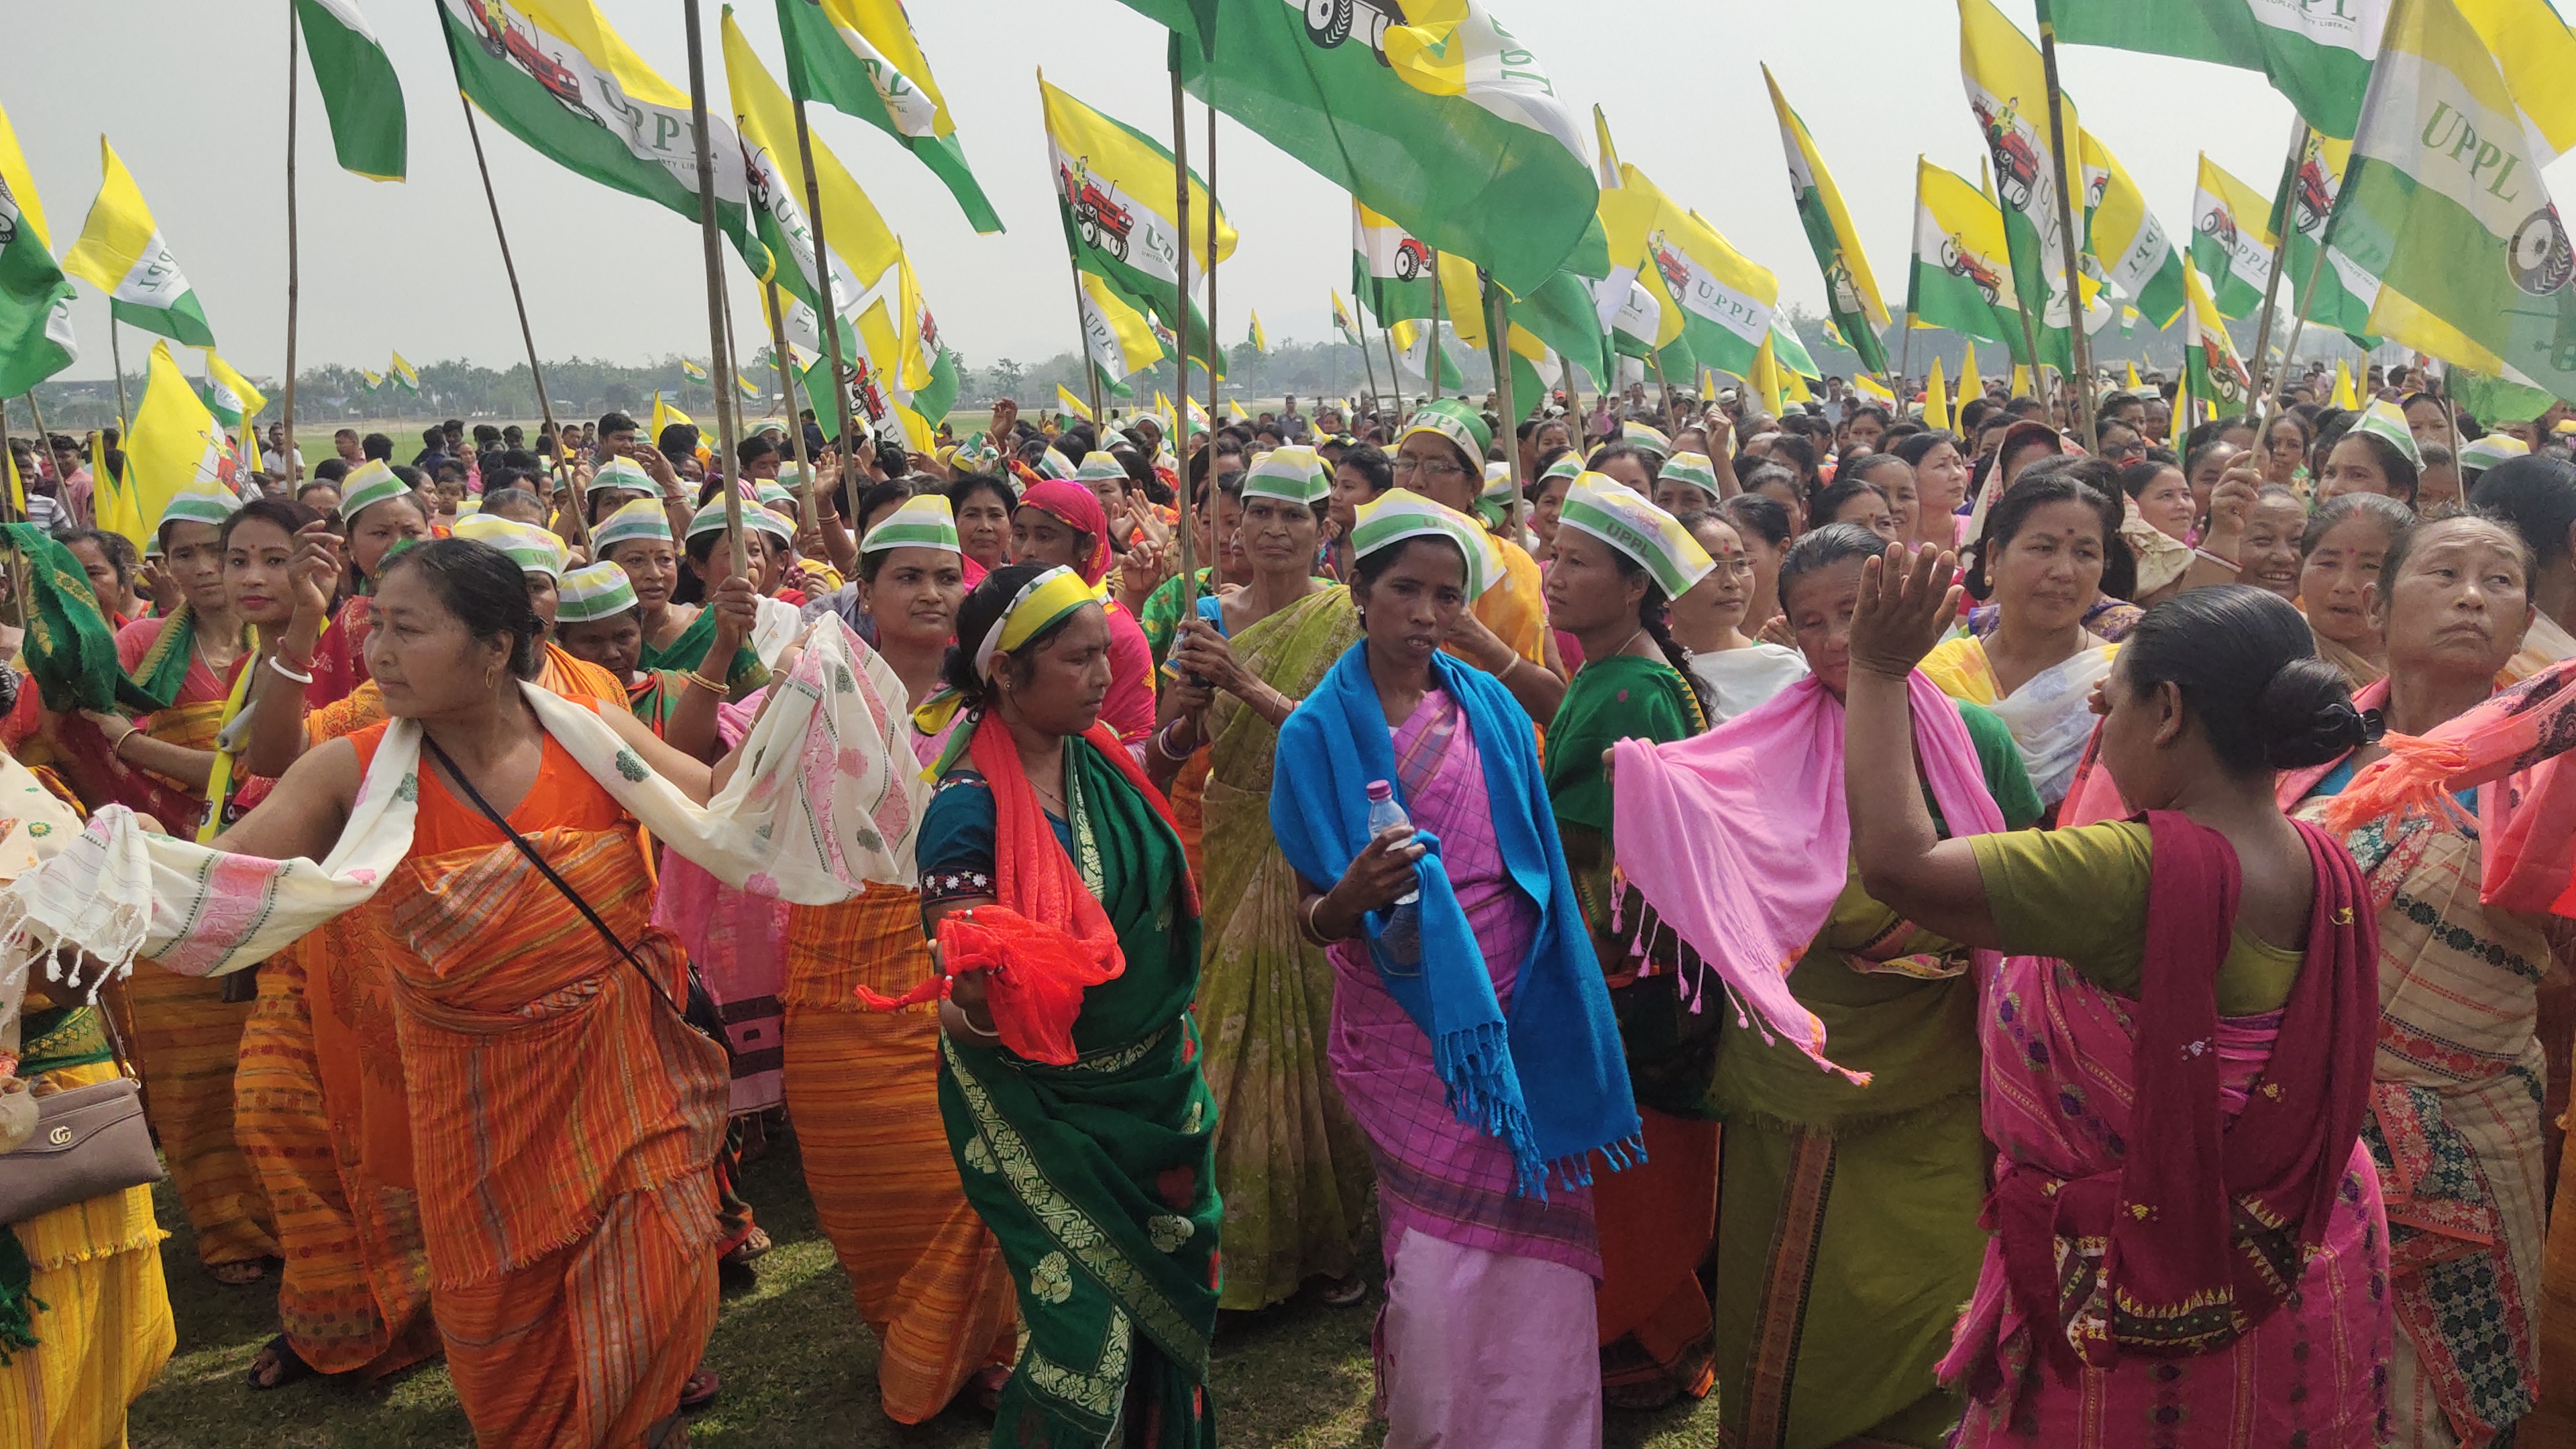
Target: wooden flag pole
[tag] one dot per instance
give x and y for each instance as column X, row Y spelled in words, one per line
column 830, row 311
column 116, row 364
column 721, row 363
column 1366, row 363
column 2079, row 347
column 2284, row 205
column 509, row 268
column 1394, row 374
column 808, row 512
column 1181, row 345
column 1498, row 336
column 1216, row 347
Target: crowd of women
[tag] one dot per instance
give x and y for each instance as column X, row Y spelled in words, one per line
column 1673, row 906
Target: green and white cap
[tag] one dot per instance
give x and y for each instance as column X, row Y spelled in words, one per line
column 1495, row 503
column 2384, row 419
column 780, row 526
column 1453, row 420
column 370, row 484
column 1052, row 464
column 2479, row 454
column 593, row 592
column 1292, row 474
column 641, row 519
column 925, row 521
column 1621, row 517
column 532, row 548
column 623, row 474
column 1637, row 435
column 710, row 518
column 1099, row 467
column 1400, row 513
column 1692, row 468
column 1569, row 466
column 773, row 495
column 203, row 502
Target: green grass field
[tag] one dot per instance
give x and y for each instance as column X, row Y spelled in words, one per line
column 798, row 1367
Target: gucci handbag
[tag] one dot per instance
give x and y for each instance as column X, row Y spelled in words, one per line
column 88, row 1142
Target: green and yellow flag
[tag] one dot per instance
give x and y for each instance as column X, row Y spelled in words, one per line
column 1118, row 340
column 1851, row 293
column 2344, row 286
column 1962, row 277
column 1259, row 339
column 177, row 443
column 2211, row 369
column 859, row 57
column 2007, row 90
column 1113, row 187
column 1429, row 112
column 35, row 298
column 1344, row 322
column 2137, row 255
column 121, row 253
column 863, row 247
column 401, row 372
column 1725, row 298
column 2231, row 239
column 556, row 75
column 228, row 394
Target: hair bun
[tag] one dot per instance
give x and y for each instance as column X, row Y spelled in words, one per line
column 2304, row 715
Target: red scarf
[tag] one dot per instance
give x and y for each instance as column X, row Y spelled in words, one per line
column 2182, row 1280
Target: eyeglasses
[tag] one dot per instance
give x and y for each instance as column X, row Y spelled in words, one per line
column 1437, row 467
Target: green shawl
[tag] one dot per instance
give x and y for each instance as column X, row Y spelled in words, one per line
column 70, row 647
column 1098, row 1179
column 689, row 652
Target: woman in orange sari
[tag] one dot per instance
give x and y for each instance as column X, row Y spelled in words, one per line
column 568, row 1216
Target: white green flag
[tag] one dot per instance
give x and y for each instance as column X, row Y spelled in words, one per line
column 2008, row 92
column 35, row 297
column 2137, row 255
column 1117, row 339
column 2231, row 239
column 401, row 372
column 1851, row 293
column 1725, row 298
column 2445, row 205
column 863, row 248
column 1344, row 322
column 2344, row 287
column 2211, row 368
column 1390, row 268
column 1114, row 193
column 859, row 57
column 1962, row 274
column 121, row 253
column 228, row 394
column 360, row 91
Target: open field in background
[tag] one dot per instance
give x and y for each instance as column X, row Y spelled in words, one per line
column 798, row 1367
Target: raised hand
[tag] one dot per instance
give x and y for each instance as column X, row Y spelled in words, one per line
column 1907, row 601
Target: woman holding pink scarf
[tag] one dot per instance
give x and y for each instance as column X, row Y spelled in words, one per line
column 2189, row 1247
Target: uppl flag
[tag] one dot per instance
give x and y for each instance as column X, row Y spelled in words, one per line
column 929, row 368
column 1415, row 349
column 1962, row 275
column 1114, row 192
column 2007, row 89
column 859, row 57
column 1431, row 113
column 1117, row 339
column 2231, row 239
column 2211, row 368
column 35, row 297
column 1344, row 322
column 554, row 74
column 1259, row 339
column 1065, row 399
column 121, row 252
column 1725, row 298
column 177, row 443
column 2320, row 55
column 2445, row 204
column 1390, row 268
column 403, row 372
column 360, row 92
column 862, row 246
column 229, row 395
column 1851, row 293
column 691, row 370
column 2136, row 254
column 2344, row 289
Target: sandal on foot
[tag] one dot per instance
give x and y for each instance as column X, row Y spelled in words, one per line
column 280, row 1356
column 754, row 1245
column 240, row 1274
column 1345, row 1292
column 699, row 1391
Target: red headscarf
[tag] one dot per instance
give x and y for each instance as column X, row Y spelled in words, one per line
column 1078, row 508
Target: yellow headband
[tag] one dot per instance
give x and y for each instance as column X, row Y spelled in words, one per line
column 1040, row 602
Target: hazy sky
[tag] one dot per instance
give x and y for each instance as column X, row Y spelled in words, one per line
column 188, row 93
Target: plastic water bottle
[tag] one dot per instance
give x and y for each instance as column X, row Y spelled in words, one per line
column 1402, row 938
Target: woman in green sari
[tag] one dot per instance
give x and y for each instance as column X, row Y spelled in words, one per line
column 1290, row 1162
column 1617, row 562
column 1096, row 1175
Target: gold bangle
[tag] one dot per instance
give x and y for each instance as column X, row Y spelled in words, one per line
column 715, row 687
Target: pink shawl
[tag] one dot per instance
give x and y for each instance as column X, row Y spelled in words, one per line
column 1760, row 798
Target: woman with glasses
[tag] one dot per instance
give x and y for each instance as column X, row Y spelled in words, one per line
column 1735, row 671
column 1441, row 455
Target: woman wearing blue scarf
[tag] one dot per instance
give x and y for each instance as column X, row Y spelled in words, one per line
column 1482, row 1061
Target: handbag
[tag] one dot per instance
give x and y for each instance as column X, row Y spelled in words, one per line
column 700, row 1015
column 89, row 1142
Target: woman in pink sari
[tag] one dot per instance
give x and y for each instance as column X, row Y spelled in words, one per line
column 2189, row 1247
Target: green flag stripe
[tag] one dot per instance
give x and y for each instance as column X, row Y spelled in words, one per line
column 360, row 92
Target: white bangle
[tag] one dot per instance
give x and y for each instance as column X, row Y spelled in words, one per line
column 275, row 663
column 2226, row 563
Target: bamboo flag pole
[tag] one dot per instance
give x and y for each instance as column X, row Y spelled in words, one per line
column 830, row 311
column 1432, row 355
column 1181, row 341
column 2284, row 206
column 808, row 511
column 1216, row 348
column 1361, row 323
column 721, row 364
column 509, row 268
column 116, row 364
column 2079, row 346
column 1498, row 337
